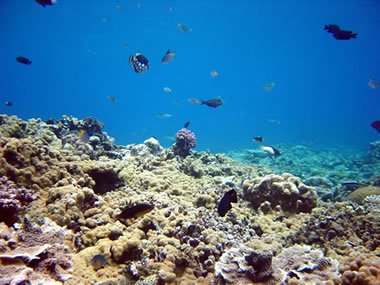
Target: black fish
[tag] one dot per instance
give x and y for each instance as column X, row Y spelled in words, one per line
column 212, row 102
column 135, row 211
column 376, row 125
column 344, row 35
column 139, row 63
column 186, row 125
column 8, row 103
column 353, row 185
column 332, row 28
column 44, row 3
column 24, row 60
column 258, row 139
column 225, row 203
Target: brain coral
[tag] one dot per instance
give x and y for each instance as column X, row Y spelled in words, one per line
column 286, row 191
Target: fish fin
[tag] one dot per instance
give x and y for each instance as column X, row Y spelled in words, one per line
column 353, row 35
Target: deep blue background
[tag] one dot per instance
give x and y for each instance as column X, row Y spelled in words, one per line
column 79, row 58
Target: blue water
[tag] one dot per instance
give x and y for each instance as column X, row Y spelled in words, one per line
column 80, row 51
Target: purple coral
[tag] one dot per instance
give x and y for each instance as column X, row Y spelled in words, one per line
column 13, row 200
column 185, row 141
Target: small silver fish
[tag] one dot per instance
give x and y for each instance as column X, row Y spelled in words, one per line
column 162, row 115
column 214, row 73
column 112, row 99
column 167, row 89
column 268, row 86
column 168, row 57
column 183, row 28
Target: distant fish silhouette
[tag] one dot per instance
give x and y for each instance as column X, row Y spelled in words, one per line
column 186, row 125
column 258, row 139
column 376, row 125
column 340, row 34
column 24, row 60
column 44, row 3
column 213, row 103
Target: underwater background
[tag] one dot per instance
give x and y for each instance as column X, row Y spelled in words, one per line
column 80, row 50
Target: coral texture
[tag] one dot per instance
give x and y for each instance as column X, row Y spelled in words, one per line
column 285, row 192
column 361, row 193
column 13, row 200
column 361, row 270
column 185, row 141
column 36, row 254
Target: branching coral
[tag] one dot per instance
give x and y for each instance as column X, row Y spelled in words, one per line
column 13, row 200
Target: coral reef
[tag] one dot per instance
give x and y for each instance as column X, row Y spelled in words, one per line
column 359, row 269
column 301, row 264
column 340, row 228
column 361, row 193
column 374, row 152
column 185, row 141
column 13, row 200
column 35, row 254
column 286, row 193
column 73, row 232
column 330, row 166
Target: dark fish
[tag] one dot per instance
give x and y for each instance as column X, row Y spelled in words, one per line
column 135, row 211
column 212, row 102
column 98, row 261
column 258, row 139
column 44, row 3
column 186, row 125
column 270, row 149
column 168, row 57
column 344, row 35
column 225, row 203
column 8, row 103
column 340, row 34
column 353, row 185
column 376, row 125
column 24, row 60
column 332, row 28
column 139, row 63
